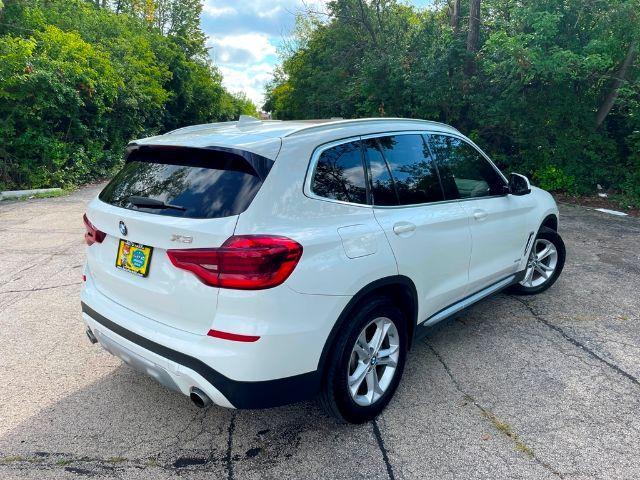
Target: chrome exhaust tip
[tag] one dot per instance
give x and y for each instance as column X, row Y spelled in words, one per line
column 199, row 398
column 92, row 338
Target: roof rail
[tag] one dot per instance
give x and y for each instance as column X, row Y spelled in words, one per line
column 332, row 123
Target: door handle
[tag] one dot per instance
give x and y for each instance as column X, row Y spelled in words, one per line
column 401, row 228
column 480, row 215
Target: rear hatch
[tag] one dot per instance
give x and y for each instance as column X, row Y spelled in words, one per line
column 169, row 198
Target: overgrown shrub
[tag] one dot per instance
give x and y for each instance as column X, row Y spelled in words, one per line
column 78, row 82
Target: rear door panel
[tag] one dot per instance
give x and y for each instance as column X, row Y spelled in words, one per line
column 435, row 255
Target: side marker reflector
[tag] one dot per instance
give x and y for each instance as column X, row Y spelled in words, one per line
column 232, row 336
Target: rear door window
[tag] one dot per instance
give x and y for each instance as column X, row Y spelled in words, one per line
column 464, row 172
column 184, row 183
column 402, row 171
column 339, row 174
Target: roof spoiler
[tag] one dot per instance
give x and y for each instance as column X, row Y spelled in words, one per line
column 223, row 158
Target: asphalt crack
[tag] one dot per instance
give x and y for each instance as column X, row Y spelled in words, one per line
column 228, row 457
column 39, row 289
column 500, row 425
column 383, row 450
column 577, row 343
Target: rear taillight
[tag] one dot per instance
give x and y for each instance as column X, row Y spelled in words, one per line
column 244, row 262
column 92, row 235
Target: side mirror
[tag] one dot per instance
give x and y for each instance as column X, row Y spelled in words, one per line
column 519, row 184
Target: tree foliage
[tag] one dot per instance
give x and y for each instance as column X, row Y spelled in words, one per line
column 528, row 88
column 79, row 79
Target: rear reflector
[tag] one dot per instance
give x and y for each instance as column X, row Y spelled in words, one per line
column 232, row 336
column 92, row 234
column 243, row 262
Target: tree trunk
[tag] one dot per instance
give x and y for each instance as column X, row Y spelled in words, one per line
column 455, row 16
column 473, row 36
column 619, row 80
column 474, row 26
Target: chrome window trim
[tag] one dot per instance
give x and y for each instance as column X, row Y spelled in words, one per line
column 311, row 168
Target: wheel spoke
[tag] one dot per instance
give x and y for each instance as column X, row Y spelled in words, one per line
column 373, row 386
column 541, row 271
column 388, row 361
column 361, row 347
column 528, row 277
column 382, row 327
column 550, row 249
column 543, row 254
column 355, row 380
column 388, row 351
column 546, row 268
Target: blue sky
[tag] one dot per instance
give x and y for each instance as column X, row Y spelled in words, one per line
column 244, row 37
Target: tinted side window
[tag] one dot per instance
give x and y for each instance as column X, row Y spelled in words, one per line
column 464, row 172
column 382, row 188
column 409, row 162
column 339, row 174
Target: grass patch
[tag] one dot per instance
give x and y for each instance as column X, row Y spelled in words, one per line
column 117, row 460
column 58, row 193
column 506, row 429
column 62, row 462
column 12, row 459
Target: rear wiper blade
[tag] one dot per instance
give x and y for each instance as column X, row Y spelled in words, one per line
column 145, row 202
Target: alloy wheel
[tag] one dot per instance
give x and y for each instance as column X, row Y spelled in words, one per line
column 373, row 361
column 541, row 264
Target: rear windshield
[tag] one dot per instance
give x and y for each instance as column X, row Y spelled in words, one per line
column 181, row 183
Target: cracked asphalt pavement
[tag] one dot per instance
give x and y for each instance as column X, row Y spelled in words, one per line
column 517, row 387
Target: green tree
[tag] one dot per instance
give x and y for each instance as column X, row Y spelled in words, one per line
column 548, row 87
column 79, row 80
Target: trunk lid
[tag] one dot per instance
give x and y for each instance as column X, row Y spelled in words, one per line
column 211, row 192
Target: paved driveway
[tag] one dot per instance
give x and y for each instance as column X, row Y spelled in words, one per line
column 539, row 387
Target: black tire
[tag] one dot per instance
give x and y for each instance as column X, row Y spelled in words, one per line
column 334, row 396
column 553, row 237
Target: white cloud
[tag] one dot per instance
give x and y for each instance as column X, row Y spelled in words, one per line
column 243, row 36
column 241, row 49
column 210, row 9
column 250, row 80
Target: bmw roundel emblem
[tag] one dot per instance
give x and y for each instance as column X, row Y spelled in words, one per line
column 123, row 228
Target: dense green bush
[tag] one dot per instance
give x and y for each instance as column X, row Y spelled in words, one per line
column 528, row 94
column 78, row 81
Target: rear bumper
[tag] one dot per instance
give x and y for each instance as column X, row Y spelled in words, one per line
column 181, row 372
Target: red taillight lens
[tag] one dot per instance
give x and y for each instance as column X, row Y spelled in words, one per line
column 92, row 235
column 244, row 262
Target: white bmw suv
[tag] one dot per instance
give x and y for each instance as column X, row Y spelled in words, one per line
column 257, row 263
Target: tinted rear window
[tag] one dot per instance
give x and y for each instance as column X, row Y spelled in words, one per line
column 194, row 187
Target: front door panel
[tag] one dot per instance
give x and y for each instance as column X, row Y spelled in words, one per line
column 499, row 234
